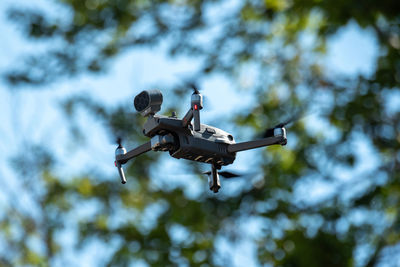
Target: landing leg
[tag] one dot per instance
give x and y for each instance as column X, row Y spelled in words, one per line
column 214, row 179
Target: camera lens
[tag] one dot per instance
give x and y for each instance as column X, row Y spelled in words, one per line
column 142, row 101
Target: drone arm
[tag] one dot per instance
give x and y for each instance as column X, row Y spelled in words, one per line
column 196, row 118
column 276, row 140
column 193, row 113
column 197, row 105
column 122, row 159
column 187, row 118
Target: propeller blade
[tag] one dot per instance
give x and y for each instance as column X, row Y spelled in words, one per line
column 119, row 142
column 194, row 87
column 192, row 83
column 294, row 118
column 226, row 174
column 270, row 131
column 229, row 175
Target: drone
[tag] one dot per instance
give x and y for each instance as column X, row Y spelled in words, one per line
column 191, row 141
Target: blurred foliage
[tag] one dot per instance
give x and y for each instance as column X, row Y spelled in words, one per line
column 356, row 224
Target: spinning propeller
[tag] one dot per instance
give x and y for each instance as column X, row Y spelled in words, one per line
column 194, row 87
column 214, row 174
column 226, row 174
column 270, row 132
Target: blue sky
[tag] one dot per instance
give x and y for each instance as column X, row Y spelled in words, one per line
column 33, row 115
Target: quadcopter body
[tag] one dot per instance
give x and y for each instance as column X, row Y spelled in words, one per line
column 192, row 141
column 208, row 145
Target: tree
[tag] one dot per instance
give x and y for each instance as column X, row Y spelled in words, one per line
column 359, row 217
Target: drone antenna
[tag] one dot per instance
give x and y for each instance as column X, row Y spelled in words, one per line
column 299, row 115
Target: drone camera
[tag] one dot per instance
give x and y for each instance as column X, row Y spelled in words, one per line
column 148, row 102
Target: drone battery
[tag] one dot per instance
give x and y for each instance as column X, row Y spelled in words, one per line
column 200, row 149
